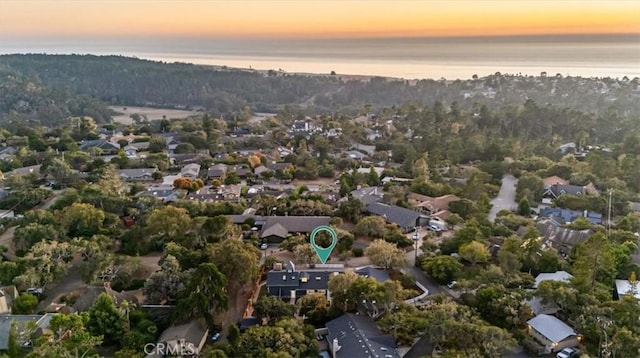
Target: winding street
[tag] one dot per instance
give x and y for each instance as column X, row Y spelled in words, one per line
column 506, row 198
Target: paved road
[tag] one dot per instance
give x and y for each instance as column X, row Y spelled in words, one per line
column 506, row 198
column 426, row 281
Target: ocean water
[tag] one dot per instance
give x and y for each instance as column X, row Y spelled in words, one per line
column 450, row 58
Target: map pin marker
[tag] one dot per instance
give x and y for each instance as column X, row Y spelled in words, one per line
column 324, row 252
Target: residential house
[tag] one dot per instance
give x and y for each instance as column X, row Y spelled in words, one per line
column 165, row 194
column 560, row 238
column 89, row 295
column 7, row 214
column 259, row 171
column 553, row 180
column 230, row 192
column 205, row 197
column 406, row 219
column 189, row 158
column 624, row 287
column 354, row 154
column 568, row 216
column 555, row 190
column 379, row 171
column 291, row 284
column 33, row 169
column 434, row 207
column 280, row 166
column 277, row 228
column 188, row 338
column 372, row 134
column 141, row 174
column 191, row 171
column 103, row 145
column 6, row 321
column 7, row 295
column 352, row 335
column 217, row 171
column 567, row 148
column 560, row 276
column 7, row 153
column 368, row 195
column 552, row 333
column 397, row 180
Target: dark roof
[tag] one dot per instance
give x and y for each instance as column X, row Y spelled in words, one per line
column 99, row 143
column 191, row 332
column 405, row 218
column 6, row 320
column 208, row 197
column 561, row 238
column 570, row 215
column 295, row 224
column 240, row 219
column 218, row 170
column 557, row 189
column 377, row 274
column 249, row 322
column 275, row 230
column 278, row 166
column 300, row 280
column 368, row 195
column 358, row 336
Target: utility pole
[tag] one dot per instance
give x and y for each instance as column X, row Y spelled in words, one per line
column 609, row 213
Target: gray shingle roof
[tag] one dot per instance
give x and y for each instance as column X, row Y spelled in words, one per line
column 275, row 230
column 294, row 224
column 561, row 276
column 192, row 332
column 405, row 218
column 550, row 327
column 377, row 274
column 358, row 336
column 42, row 321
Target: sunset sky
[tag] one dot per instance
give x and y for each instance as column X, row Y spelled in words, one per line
column 313, row 18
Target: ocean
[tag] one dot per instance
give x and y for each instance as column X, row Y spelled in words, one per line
column 411, row 58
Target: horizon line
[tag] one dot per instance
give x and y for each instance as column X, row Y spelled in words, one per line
column 330, row 38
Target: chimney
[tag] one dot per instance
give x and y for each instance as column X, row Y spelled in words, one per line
column 335, row 347
column 277, row 266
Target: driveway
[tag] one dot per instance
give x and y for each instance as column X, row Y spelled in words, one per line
column 506, row 198
column 421, row 277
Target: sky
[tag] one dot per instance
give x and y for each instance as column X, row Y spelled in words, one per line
column 313, row 18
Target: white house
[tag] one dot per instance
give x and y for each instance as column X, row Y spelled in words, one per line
column 624, row 287
column 552, row 333
column 561, row 276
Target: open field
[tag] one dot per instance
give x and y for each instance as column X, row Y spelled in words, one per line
column 153, row 114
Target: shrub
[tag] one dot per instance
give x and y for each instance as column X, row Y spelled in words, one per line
column 357, row 252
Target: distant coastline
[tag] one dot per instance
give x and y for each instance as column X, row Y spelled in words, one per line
column 407, row 58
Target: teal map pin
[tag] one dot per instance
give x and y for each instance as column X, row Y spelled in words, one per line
column 324, row 252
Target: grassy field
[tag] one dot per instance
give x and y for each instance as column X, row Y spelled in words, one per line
column 153, row 114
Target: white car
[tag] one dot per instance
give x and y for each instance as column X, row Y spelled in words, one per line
column 567, row 353
column 434, row 228
column 264, row 246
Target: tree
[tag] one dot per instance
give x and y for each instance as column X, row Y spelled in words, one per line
column 351, row 210
column 13, row 346
column 372, row 226
column 288, row 338
column 69, row 335
column 26, row 236
column 305, row 254
column 105, row 319
column 81, row 220
column 157, row 145
column 59, row 171
column 254, row 161
column 524, row 208
column 46, row 261
column 203, row 293
column 238, row 261
column 474, row 252
column 231, row 178
column 24, row 304
column 372, row 178
column 164, row 285
column 501, row 307
column 386, row 255
column 110, row 182
column 443, row 269
column 594, row 261
column 273, row 309
column 169, row 223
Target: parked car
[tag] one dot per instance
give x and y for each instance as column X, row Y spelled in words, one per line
column 34, row 291
column 434, row 228
column 567, row 353
column 452, row 284
column 215, row 336
column 264, row 246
